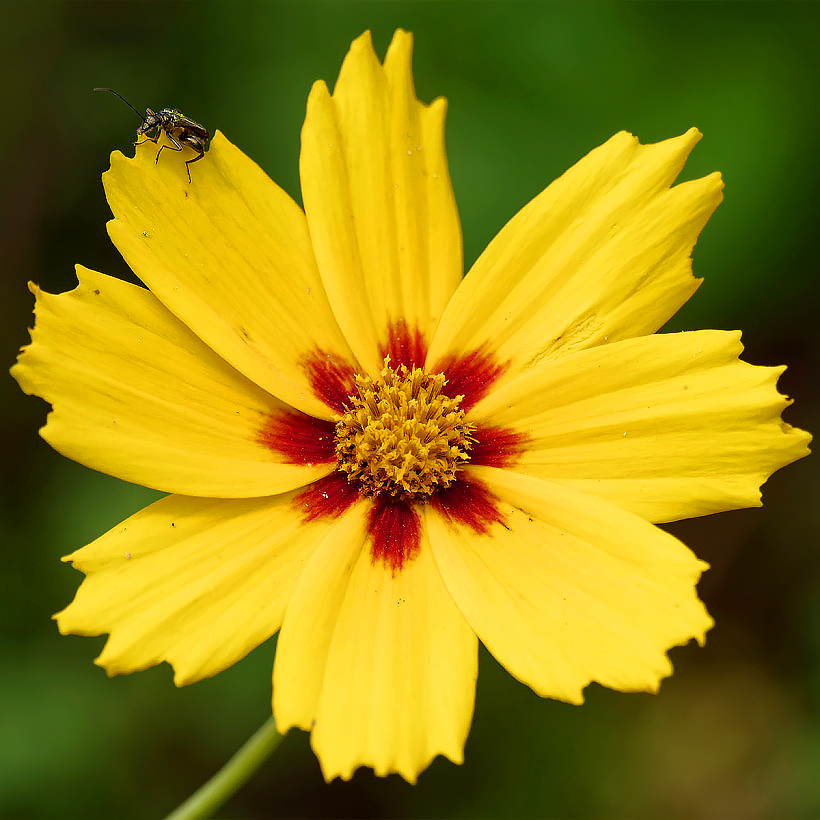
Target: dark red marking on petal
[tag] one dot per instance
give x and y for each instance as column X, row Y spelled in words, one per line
column 395, row 533
column 497, row 446
column 328, row 497
column 468, row 502
column 470, row 375
column 403, row 345
column 299, row 438
column 331, row 377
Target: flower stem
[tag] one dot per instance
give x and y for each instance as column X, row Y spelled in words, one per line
column 232, row 776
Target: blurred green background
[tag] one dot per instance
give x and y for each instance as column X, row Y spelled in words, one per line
column 532, row 87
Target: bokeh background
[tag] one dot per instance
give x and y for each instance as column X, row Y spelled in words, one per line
column 735, row 733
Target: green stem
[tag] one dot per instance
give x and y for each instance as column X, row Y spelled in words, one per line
column 232, row 776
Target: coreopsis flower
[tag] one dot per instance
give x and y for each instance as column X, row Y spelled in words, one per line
column 386, row 461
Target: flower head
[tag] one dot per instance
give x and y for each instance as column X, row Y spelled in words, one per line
column 382, row 460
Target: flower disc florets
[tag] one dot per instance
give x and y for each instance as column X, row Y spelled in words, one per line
column 401, row 435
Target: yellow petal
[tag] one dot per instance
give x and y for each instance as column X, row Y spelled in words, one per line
column 195, row 582
column 379, row 664
column 138, row 396
column 668, row 426
column 602, row 254
column 565, row 589
column 229, row 254
column 379, row 204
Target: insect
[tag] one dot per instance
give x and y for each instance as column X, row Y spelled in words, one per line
column 177, row 127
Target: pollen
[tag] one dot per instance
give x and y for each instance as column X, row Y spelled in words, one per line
column 401, row 436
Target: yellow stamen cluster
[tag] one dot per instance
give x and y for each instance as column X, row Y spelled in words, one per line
column 401, row 435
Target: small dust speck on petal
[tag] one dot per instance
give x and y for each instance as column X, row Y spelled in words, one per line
column 127, row 556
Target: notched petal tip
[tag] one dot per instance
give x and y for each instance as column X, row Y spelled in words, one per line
column 401, row 40
column 400, row 51
column 363, row 41
column 716, row 178
column 67, row 625
column 115, row 158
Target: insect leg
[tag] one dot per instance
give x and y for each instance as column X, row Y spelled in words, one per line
column 197, row 145
column 176, row 146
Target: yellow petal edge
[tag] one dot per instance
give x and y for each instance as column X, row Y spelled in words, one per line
column 138, row 396
column 378, row 199
column 569, row 589
column 379, row 667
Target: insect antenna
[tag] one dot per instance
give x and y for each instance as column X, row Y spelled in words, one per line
column 141, row 116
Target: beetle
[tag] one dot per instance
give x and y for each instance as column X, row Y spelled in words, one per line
column 176, row 126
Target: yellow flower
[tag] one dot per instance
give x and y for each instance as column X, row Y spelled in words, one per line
column 386, row 462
